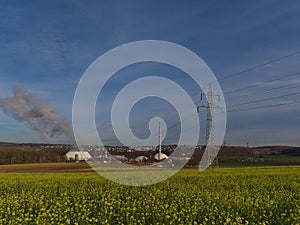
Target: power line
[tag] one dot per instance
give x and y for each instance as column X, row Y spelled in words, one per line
column 266, row 106
column 265, row 99
column 270, row 81
column 259, row 65
column 297, row 84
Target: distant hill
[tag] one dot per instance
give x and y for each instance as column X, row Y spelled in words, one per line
column 280, row 150
column 8, row 144
column 253, row 156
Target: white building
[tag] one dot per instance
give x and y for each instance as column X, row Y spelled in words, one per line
column 78, row 156
column 160, row 156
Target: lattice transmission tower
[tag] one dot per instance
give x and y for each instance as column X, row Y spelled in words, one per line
column 212, row 150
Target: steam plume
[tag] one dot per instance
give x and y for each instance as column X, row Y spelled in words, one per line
column 25, row 106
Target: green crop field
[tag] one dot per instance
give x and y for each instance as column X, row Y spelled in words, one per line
column 265, row 195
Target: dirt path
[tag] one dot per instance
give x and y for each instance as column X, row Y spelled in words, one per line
column 46, row 168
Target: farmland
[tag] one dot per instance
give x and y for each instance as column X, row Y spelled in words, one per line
column 264, row 195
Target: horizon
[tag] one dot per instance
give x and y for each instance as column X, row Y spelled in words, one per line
column 41, row 143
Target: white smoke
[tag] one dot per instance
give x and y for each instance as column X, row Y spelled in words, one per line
column 27, row 107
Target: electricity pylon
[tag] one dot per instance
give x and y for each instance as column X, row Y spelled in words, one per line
column 212, row 149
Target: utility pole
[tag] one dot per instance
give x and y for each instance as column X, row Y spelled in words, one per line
column 210, row 132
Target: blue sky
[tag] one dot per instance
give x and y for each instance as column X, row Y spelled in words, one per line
column 47, row 45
